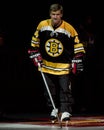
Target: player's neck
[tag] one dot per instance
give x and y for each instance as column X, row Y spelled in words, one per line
column 56, row 25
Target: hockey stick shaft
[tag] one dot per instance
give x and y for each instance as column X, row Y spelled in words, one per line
column 48, row 90
column 53, row 104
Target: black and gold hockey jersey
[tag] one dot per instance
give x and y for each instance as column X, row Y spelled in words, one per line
column 57, row 46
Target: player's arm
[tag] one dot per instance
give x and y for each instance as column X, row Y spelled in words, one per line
column 78, row 59
column 33, row 51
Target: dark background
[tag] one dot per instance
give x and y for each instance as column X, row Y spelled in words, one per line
column 21, row 86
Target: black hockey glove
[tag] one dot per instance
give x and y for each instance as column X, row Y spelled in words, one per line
column 77, row 63
column 36, row 57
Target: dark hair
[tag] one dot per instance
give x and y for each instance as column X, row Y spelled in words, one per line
column 56, row 7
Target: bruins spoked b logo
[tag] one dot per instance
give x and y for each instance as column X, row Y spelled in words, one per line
column 54, row 47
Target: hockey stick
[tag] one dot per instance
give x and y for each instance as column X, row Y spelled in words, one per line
column 53, row 104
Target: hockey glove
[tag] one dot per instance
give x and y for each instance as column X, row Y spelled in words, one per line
column 36, row 57
column 77, row 64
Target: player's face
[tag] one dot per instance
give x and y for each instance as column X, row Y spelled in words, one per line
column 56, row 17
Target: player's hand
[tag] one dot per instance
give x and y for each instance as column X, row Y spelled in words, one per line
column 77, row 64
column 36, row 57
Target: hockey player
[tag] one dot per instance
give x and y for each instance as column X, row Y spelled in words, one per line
column 54, row 45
